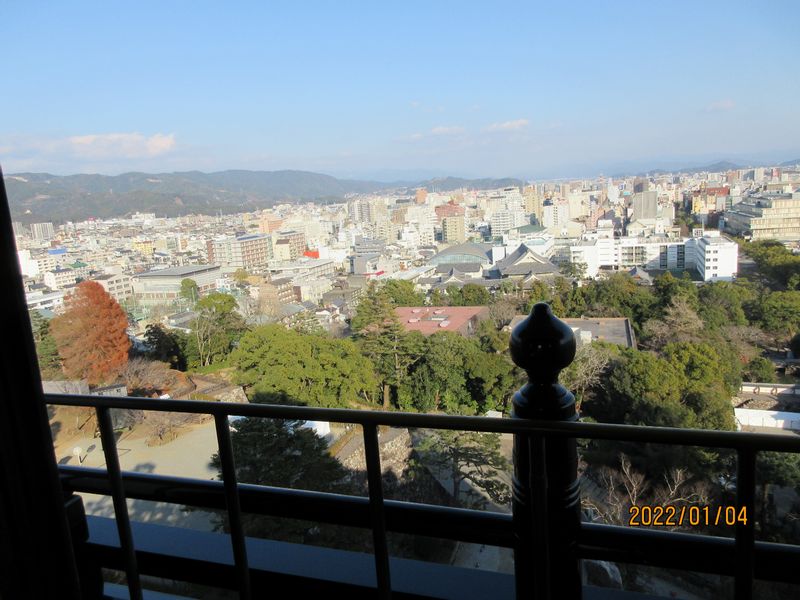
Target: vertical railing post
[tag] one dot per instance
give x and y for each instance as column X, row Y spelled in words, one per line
column 546, row 494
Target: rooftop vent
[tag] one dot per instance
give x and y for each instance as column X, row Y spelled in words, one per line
column 444, row 323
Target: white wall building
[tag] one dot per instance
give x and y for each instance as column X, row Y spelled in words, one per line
column 714, row 257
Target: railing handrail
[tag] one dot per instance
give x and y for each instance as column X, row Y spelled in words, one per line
column 607, row 431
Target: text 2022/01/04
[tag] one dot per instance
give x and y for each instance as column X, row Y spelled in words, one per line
column 695, row 516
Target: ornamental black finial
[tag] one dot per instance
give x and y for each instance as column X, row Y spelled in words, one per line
column 542, row 344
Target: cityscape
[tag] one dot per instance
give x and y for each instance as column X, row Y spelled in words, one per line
column 421, row 300
column 679, row 287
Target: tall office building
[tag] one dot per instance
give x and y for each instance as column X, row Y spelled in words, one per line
column 42, row 231
column 453, row 229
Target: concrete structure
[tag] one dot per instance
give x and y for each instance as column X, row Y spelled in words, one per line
column 61, row 277
column 42, row 231
column 41, row 301
column 614, row 330
column 766, row 216
column 120, row 287
column 714, row 257
column 249, row 252
column 164, row 286
column 295, row 242
column 453, row 229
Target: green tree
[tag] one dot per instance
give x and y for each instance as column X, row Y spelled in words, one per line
column 240, row 277
column 167, row 346
column 490, row 338
column 46, row 349
column 306, row 322
column 761, row 370
column 776, row 262
column 383, row 341
column 282, row 453
column 438, row 298
column 189, row 290
column 216, row 329
column 403, row 293
column 473, row 294
column 276, row 364
column 439, row 379
column 781, row 313
column 573, row 270
column 721, row 304
column 467, row 459
column 705, row 390
column 667, row 288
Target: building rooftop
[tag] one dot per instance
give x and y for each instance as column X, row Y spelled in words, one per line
column 615, row 330
column 430, row 319
column 182, row 271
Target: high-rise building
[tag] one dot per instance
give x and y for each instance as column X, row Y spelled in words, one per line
column 42, row 231
column 249, row 252
column 645, row 205
column 453, row 229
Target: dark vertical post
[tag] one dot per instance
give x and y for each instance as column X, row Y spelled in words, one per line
column 37, row 559
column 546, row 493
column 376, row 509
column 745, row 528
column 230, row 481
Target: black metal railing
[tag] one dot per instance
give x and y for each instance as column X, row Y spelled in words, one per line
column 544, row 531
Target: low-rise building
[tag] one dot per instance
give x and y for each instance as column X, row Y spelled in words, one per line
column 120, row 287
column 431, row 319
column 164, row 286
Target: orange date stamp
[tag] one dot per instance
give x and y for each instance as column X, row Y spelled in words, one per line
column 694, row 516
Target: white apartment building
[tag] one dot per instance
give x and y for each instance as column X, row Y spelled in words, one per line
column 53, row 301
column 249, row 252
column 714, row 257
column 502, row 221
column 42, row 231
column 120, row 287
column 63, row 277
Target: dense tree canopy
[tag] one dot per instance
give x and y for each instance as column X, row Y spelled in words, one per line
column 403, row 293
column 91, row 334
column 276, row 364
column 166, row 345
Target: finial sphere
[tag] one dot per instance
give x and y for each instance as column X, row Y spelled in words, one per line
column 542, row 344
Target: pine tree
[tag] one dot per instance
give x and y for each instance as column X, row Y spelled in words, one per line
column 46, row 350
column 91, row 334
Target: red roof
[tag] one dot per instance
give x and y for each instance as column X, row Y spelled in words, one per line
column 430, row 319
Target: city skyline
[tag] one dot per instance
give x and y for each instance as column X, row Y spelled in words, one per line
column 378, row 94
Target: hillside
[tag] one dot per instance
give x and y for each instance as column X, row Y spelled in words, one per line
column 38, row 197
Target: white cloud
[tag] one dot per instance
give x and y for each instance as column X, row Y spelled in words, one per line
column 442, row 130
column 721, row 105
column 120, row 145
column 508, row 125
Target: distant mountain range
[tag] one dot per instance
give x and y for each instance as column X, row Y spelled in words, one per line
column 37, row 197
column 717, row 167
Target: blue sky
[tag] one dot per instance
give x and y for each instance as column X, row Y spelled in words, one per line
column 530, row 89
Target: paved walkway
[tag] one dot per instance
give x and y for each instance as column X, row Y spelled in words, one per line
column 187, row 456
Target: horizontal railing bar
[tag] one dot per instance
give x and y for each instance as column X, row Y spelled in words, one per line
column 478, row 527
column 694, row 552
column 608, row 431
column 685, row 551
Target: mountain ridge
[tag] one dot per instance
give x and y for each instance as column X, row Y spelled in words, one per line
column 35, row 197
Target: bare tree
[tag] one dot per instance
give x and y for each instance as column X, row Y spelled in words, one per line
column 617, row 490
column 679, row 324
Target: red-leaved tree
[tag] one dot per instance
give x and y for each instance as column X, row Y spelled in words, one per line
column 90, row 334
